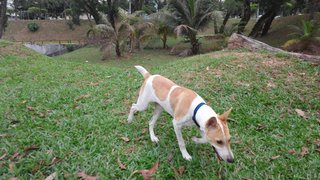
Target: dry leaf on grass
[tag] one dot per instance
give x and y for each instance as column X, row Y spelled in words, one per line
column 31, row 148
column 291, row 151
column 300, row 113
column 84, row 176
column 84, row 96
column 11, row 167
column 126, row 139
column 275, row 157
column 170, row 157
column 14, row 156
column 94, row 84
column 304, row 151
column 4, row 135
column 181, row 170
column 55, row 160
column 3, row 156
column 147, row 173
column 14, row 178
column 30, row 108
column 317, row 143
column 121, row 165
column 51, row 176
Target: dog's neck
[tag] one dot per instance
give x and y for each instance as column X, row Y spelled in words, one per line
column 204, row 113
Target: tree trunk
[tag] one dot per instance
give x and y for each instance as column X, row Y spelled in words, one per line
column 3, row 10
column 93, row 11
column 195, row 44
column 267, row 25
column 245, row 16
column 313, row 6
column 225, row 20
column 240, row 41
column 118, row 52
column 164, row 41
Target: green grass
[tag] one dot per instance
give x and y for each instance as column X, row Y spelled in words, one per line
column 43, row 103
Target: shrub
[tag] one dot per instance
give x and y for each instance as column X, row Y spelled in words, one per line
column 70, row 47
column 33, row 26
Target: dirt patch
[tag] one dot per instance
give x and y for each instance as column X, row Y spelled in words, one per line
column 273, row 63
column 15, row 49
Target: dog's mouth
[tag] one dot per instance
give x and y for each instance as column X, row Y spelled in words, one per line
column 214, row 149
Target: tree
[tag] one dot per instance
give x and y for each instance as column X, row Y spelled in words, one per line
column 246, row 13
column 272, row 8
column 3, row 16
column 164, row 24
column 231, row 7
column 88, row 6
column 192, row 15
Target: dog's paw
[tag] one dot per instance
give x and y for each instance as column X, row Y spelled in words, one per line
column 198, row 140
column 154, row 139
column 187, row 157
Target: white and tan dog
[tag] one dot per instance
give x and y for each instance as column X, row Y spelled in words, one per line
column 184, row 105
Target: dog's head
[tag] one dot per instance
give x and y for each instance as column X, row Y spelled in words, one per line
column 217, row 133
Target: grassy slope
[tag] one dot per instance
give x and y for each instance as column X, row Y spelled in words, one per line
column 43, row 104
column 49, row 31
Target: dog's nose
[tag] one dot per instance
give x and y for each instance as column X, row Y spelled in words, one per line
column 230, row 160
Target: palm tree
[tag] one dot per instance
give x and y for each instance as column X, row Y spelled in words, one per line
column 164, row 24
column 114, row 33
column 193, row 15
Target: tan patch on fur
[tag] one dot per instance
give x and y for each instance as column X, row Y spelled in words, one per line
column 216, row 133
column 162, row 86
column 146, row 76
column 180, row 101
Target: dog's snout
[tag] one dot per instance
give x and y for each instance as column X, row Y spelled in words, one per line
column 230, row 160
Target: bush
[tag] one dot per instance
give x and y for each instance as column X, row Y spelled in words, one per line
column 70, row 47
column 33, row 26
column 70, row 24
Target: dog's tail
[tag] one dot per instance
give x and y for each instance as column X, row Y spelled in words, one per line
column 143, row 71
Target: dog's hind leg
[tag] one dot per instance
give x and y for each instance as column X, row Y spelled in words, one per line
column 182, row 146
column 141, row 105
column 156, row 114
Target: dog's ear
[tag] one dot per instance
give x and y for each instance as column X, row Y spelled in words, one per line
column 211, row 123
column 224, row 116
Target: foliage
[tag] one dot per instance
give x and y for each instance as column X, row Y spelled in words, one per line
column 307, row 32
column 70, row 25
column 164, row 23
column 192, row 15
column 70, row 47
column 33, row 26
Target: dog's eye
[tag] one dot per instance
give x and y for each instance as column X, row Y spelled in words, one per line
column 220, row 142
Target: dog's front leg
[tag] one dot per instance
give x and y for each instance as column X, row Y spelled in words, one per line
column 201, row 140
column 182, row 146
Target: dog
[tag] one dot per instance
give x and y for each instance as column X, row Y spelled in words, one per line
column 186, row 107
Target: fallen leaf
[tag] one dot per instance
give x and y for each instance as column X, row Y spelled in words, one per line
column 126, row 139
column 170, row 157
column 271, row 84
column 22, row 102
column 84, row 176
column 144, row 130
column 181, row 170
column 300, row 113
column 55, row 160
column 11, row 167
column 275, row 157
column 30, row 108
column 51, row 176
column 14, row 156
column 207, row 68
column 121, row 165
column 3, row 156
column 317, row 143
column 220, row 173
column 31, row 148
column 260, row 127
column 94, row 84
column 2, row 164
column 4, row 135
column 14, row 178
column 304, row 151
column 147, row 173
column 291, row 151
column 84, row 96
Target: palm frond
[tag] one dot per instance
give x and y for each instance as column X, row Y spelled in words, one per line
column 184, row 30
column 182, row 11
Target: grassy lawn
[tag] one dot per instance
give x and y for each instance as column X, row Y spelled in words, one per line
column 74, row 115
